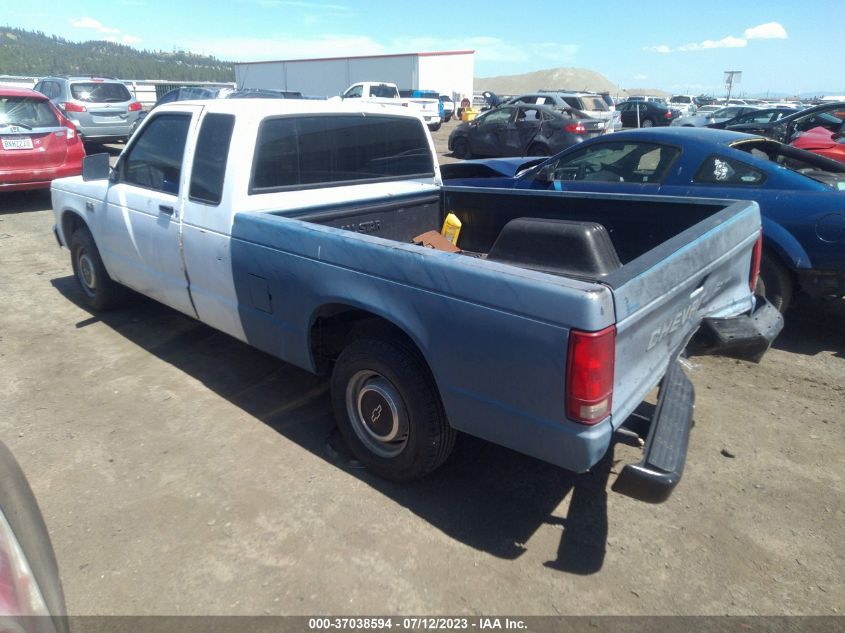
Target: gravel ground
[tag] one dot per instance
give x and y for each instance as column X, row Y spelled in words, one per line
column 182, row 472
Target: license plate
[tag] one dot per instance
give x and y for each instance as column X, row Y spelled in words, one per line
column 17, row 143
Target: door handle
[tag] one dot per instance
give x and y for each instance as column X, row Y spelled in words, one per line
column 168, row 210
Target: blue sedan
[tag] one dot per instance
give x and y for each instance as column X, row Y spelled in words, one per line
column 801, row 195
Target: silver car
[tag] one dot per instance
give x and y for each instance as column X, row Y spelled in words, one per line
column 102, row 109
column 718, row 116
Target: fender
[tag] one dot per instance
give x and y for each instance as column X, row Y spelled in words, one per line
column 781, row 241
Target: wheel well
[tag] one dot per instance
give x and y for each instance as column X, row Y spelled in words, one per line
column 70, row 222
column 336, row 325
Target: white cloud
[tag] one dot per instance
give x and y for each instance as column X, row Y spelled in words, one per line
column 640, row 77
column 130, row 39
column 768, row 31
column 726, row 42
column 90, row 23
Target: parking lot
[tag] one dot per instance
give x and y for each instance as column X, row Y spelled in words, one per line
column 183, row 472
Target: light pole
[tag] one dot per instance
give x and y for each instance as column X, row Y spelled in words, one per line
column 731, row 77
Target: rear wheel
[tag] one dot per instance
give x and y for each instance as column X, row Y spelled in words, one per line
column 98, row 289
column 388, row 409
column 460, row 149
column 775, row 282
column 646, row 123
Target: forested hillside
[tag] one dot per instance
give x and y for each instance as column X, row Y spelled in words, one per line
column 32, row 53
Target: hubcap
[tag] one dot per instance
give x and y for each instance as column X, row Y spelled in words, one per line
column 85, row 272
column 377, row 413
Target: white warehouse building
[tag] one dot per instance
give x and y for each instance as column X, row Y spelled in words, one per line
column 448, row 72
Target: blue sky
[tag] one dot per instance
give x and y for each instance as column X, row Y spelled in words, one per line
column 678, row 46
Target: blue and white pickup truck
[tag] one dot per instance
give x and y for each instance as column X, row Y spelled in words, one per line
column 290, row 225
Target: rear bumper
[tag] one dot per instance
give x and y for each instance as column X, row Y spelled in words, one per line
column 746, row 337
column 23, row 179
column 655, row 476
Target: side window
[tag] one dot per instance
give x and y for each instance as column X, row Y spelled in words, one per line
column 155, row 159
column 355, row 92
column 501, row 115
column 718, row 170
column 572, row 102
column 530, row 115
column 210, row 157
column 617, row 162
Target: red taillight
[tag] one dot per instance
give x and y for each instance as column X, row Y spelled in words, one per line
column 668, row 115
column 576, row 128
column 73, row 107
column 756, row 255
column 589, row 374
column 135, row 106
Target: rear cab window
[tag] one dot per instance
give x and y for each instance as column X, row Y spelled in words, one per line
column 333, row 150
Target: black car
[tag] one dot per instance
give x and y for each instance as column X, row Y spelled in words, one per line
column 522, row 130
column 651, row 113
column 826, row 115
column 755, row 117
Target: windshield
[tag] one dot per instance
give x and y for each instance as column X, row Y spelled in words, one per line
column 26, row 111
column 95, row 92
column 681, row 100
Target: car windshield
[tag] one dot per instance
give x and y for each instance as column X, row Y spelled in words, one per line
column 26, row 111
column 95, row 92
column 681, row 100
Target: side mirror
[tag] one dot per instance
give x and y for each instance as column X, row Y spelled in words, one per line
column 545, row 174
column 95, row 167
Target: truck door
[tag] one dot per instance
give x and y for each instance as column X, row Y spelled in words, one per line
column 142, row 230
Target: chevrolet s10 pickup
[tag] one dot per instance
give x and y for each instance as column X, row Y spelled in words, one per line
column 291, row 225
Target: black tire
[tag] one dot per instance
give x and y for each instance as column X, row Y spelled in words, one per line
column 435, row 127
column 646, row 123
column 405, row 434
column 538, row 150
column 99, row 291
column 460, row 149
column 775, row 282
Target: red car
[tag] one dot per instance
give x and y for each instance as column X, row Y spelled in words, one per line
column 822, row 141
column 37, row 142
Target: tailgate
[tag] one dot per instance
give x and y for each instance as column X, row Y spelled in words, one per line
column 661, row 297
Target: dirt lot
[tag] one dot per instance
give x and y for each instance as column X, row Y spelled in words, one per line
column 182, row 472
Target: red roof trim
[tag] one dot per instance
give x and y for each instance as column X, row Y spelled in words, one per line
column 329, row 59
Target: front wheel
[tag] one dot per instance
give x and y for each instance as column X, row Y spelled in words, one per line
column 388, row 409
column 460, row 149
column 98, row 289
column 434, row 127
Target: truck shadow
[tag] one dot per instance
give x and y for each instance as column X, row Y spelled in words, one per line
column 485, row 496
column 18, row 201
column 813, row 326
